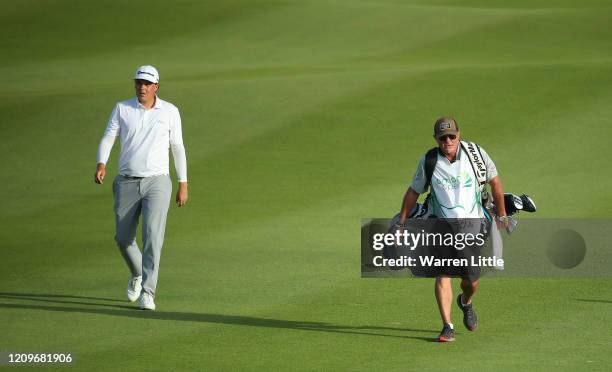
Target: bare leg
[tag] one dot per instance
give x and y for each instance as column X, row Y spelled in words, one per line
column 469, row 289
column 444, row 297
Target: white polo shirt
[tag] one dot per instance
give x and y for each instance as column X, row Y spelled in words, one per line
column 145, row 136
column 455, row 190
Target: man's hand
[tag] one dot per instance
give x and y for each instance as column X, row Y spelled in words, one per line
column 502, row 222
column 182, row 194
column 100, row 173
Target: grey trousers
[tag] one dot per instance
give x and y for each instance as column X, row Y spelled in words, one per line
column 149, row 197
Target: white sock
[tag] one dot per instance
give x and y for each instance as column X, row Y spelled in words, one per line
column 451, row 325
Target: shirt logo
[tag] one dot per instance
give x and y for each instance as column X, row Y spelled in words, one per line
column 453, row 183
column 449, row 183
column 468, row 179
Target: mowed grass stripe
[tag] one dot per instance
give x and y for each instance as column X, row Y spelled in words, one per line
column 339, row 88
column 258, row 31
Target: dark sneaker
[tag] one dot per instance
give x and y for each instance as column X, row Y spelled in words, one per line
column 447, row 334
column 470, row 320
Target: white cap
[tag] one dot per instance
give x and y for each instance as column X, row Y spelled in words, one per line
column 148, row 73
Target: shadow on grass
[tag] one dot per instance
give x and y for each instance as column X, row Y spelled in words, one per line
column 238, row 320
column 54, row 298
column 5, row 294
column 592, row 300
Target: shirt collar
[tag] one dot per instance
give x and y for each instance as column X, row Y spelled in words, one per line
column 157, row 105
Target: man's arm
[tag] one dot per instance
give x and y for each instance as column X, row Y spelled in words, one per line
column 412, row 195
column 496, row 189
column 498, row 197
column 106, row 145
column 104, row 150
column 179, row 156
column 180, row 164
column 410, row 199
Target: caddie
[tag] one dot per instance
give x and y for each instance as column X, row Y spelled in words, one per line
column 147, row 127
column 457, row 186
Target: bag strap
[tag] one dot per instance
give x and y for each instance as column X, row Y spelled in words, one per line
column 477, row 162
column 431, row 157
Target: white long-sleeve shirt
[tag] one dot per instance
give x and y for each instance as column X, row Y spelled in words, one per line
column 145, row 136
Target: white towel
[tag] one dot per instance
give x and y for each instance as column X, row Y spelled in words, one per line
column 497, row 246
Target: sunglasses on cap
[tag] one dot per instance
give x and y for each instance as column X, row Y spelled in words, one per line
column 447, row 136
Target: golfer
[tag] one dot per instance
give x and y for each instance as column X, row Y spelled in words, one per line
column 454, row 199
column 147, row 126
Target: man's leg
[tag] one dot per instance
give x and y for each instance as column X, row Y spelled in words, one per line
column 464, row 301
column 469, row 281
column 127, row 212
column 444, row 297
column 157, row 192
column 469, row 289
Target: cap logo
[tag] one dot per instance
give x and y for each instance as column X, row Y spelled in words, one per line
column 444, row 126
column 146, row 73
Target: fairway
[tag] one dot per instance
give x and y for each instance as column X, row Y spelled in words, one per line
column 300, row 118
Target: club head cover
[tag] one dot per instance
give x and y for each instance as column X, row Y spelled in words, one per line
column 513, row 203
column 528, row 203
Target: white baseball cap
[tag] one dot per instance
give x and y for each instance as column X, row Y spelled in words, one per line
column 148, row 73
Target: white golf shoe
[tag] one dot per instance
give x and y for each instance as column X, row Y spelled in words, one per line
column 146, row 302
column 134, row 288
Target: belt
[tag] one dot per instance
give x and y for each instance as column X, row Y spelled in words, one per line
column 131, row 177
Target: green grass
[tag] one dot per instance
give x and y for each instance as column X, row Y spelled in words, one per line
column 300, row 118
